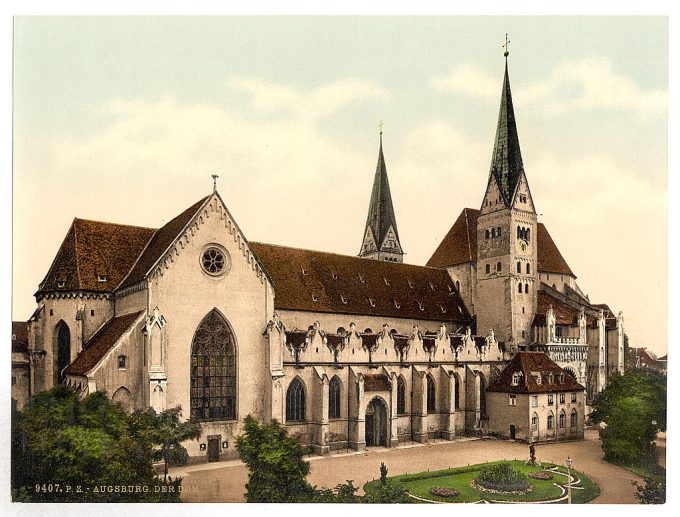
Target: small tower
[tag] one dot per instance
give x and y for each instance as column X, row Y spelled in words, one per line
column 381, row 238
column 507, row 279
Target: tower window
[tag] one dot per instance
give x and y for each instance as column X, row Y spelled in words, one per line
column 519, row 287
column 498, row 231
column 498, row 266
column 488, row 271
column 486, row 234
column 519, row 267
column 528, row 268
column 526, row 288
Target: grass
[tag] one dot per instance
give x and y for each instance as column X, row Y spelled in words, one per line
column 460, row 478
column 650, row 470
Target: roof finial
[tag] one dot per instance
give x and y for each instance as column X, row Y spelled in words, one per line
column 214, row 177
column 380, row 126
column 507, row 42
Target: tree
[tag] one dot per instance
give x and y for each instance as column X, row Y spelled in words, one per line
column 276, row 468
column 633, row 407
column 166, row 432
column 59, row 441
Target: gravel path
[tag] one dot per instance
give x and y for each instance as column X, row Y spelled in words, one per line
column 225, row 482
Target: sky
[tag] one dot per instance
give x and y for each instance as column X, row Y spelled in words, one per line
column 124, row 119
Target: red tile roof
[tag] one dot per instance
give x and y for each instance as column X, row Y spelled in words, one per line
column 376, row 382
column 564, row 314
column 91, row 249
column 316, row 281
column 459, row 246
column 159, row 243
column 528, row 363
column 20, row 336
column 103, row 341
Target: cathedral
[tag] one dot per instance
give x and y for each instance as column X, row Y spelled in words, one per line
column 492, row 337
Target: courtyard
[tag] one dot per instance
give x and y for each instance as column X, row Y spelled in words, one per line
column 225, row 481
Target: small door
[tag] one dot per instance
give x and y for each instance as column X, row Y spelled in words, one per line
column 370, row 426
column 512, row 432
column 214, row 448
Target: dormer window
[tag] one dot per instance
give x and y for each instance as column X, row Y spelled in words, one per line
column 551, row 379
column 102, row 278
column 537, row 378
column 397, row 304
column 335, row 276
column 315, row 298
column 410, row 284
column 343, row 299
column 387, row 282
column 361, row 278
column 431, row 286
column 303, row 271
column 515, row 379
column 371, row 301
column 61, row 282
column 443, row 309
column 421, row 306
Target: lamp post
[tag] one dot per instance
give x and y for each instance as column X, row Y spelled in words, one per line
column 570, row 462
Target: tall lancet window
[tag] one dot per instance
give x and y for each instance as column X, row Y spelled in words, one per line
column 213, row 370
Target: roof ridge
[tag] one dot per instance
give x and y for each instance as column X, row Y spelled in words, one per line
column 97, row 221
column 398, row 264
column 75, row 248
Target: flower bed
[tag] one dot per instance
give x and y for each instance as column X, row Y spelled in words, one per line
column 540, row 475
column 444, row 492
column 502, row 478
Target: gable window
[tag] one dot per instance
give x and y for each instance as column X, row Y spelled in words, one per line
column 213, row 370
column 512, row 400
column 515, row 379
column 295, row 401
column 334, row 398
column 122, row 362
column 214, row 261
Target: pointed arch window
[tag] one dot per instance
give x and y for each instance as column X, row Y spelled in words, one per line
column 334, row 398
column 63, row 350
column 401, row 396
column 574, row 418
column 213, row 370
column 295, row 401
column 431, row 395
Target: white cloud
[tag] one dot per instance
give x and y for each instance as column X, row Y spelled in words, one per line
column 586, row 84
column 323, row 101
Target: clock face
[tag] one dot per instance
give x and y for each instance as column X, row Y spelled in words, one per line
column 522, row 246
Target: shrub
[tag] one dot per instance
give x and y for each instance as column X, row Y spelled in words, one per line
column 502, row 477
column 540, row 475
column 444, row 492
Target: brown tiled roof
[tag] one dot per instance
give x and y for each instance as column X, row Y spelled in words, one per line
column 306, row 280
column 550, row 260
column 19, row 336
column 564, row 314
column 103, row 341
column 460, row 246
column 159, row 243
column 93, row 248
column 376, row 382
column 537, row 362
column 609, row 316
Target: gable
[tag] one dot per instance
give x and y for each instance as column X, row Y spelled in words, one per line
column 391, row 241
column 493, row 197
column 522, row 199
column 369, row 245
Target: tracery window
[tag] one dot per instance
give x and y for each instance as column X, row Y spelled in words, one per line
column 401, row 396
column 213, row 370
column 334, row 398
column 431, row 395
column 295, row 401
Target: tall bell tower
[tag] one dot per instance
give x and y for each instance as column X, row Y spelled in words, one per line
column 507, row 278
column 381, row 238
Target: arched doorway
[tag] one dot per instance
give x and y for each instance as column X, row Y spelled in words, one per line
column 376, row 423
column 62, row 350
column 123, row 398
column 512, row 432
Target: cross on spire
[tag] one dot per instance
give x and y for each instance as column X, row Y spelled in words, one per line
column 507, row 43
column 214, row 177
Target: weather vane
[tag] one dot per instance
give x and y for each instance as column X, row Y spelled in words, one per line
column 214, row 177
column 380, row 126
column 507, row 42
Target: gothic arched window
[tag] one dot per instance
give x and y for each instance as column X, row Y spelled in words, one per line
column 334, row 398
column 213, row 370
column 295, row 401
column 431, row 395
column 63, row 350
column 401, row 396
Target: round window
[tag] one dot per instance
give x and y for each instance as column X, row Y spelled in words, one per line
column 215, row 261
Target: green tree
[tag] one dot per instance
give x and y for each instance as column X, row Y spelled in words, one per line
column 633, row 407
column 166, row 432
column 59, row 441
column 276, row 468
column 651, row 492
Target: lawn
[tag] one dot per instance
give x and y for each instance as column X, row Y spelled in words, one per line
column 460, row 479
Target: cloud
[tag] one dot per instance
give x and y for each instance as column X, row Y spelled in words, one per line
column 322, row 101
column 586, row 84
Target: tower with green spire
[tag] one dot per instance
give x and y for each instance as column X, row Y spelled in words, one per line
column 381, row 237
column 507, row 278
